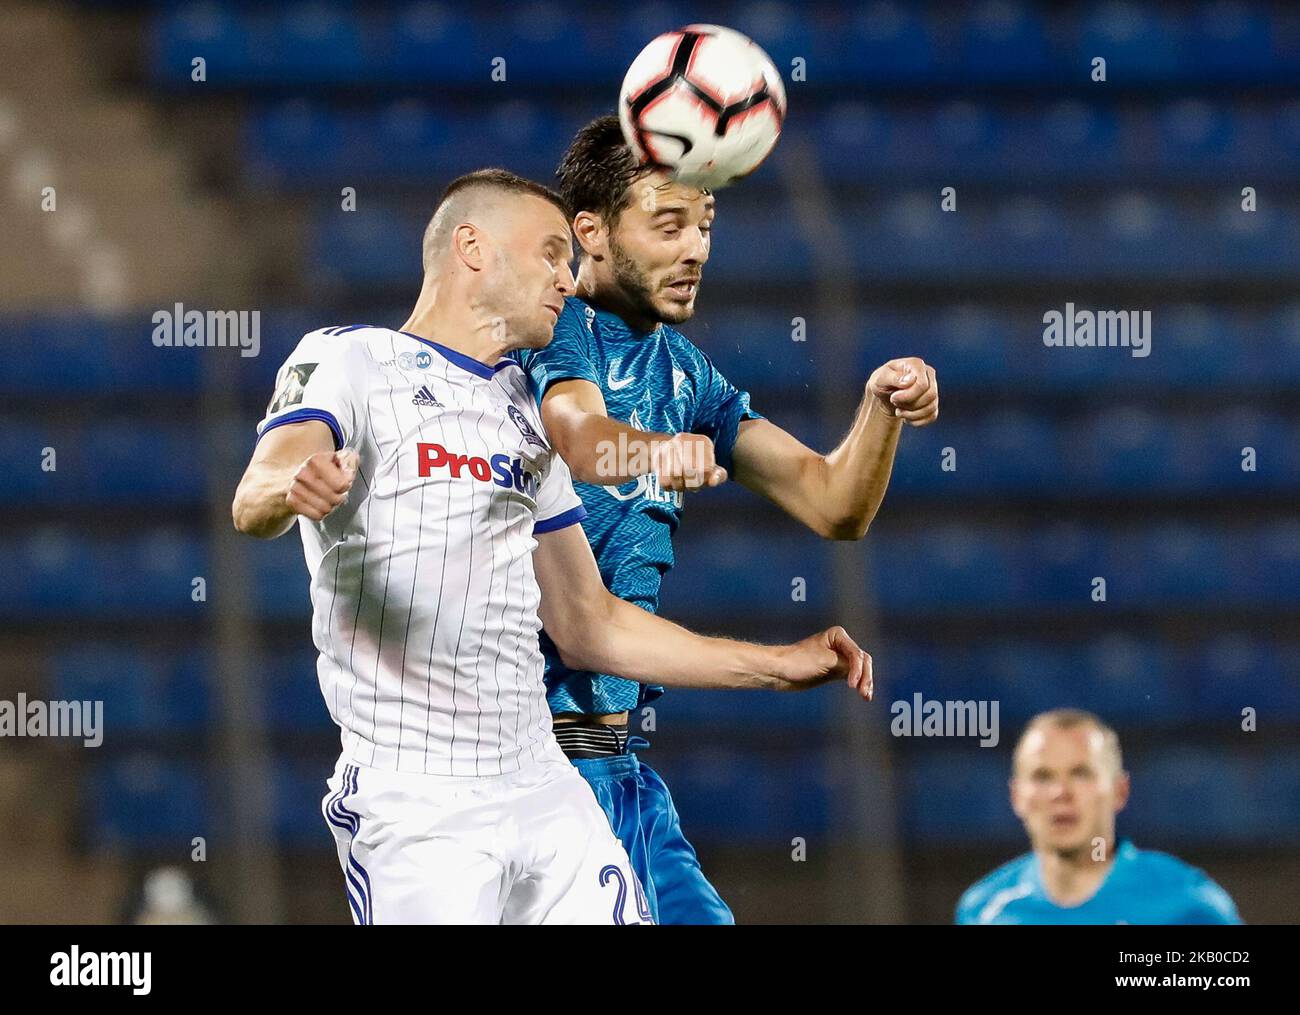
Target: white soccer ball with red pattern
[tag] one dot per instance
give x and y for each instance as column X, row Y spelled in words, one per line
column 703, row 102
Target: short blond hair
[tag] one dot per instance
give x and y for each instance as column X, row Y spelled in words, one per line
column 1072, row 718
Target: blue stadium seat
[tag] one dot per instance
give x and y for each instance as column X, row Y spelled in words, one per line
column 1125, row 447
column 149, row 462
column 1235, row 671
column 143, row 690
column 291, row 692
column 281, row 579
column 1200, row 795
column 1014, row 450
column 298, row 789
column 145, row 802
column 889, row 42
column 952, row 565
column 1005, row 40
column 784, row 30
column 369, row 246
column 58, row 571
column 1270, row 565
column 724, row 793
column 1278, row 353
column 1166, row 563
column 213, row 31
column 294, row 141
column 1130, row 680
column 313, row 41
column 1061, row 561
column 22, row 458
column 434, row 41
column 1136, row 42
column 1194, row 130
column 1235, row 41
column 1025, row 677
column 952, row 795
column 756, row 349
column 744, row 571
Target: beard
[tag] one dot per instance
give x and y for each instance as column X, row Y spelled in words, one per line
column 637, row 289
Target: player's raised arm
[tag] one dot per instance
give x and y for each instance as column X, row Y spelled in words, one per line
column 605, row 452
column 294, row 471
column 837, row 495
column 597, row 631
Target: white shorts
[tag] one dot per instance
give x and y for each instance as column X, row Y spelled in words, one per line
column 529, row 847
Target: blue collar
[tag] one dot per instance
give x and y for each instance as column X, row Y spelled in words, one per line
column 611, row 320
column 460, row 359
column 1124, row 851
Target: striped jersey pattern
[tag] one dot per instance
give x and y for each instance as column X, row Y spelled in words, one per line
column 424, row 599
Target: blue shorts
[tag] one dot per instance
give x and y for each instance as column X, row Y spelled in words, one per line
column 642, row 814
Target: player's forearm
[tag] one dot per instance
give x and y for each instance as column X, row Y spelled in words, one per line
column 853, row 478
column 605, row 452
column 634, row 643
column 261, row 507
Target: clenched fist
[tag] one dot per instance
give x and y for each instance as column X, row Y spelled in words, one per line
column 908, row 390
column 686, row 463
column 322, row 483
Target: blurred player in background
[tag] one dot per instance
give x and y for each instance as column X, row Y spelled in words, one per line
column 641, row 415
column 451, row 801
column 1067, row 784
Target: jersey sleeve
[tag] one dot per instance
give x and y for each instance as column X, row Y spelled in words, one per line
column 571, row 355
column 558, row 504
column 1210, row 904
column 968, row 907
column 720, row 409
column 320, row 380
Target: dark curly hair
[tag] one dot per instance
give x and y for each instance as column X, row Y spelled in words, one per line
column 597, row 172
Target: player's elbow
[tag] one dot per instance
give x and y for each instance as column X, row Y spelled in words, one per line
column 845, row 528
column 583, row 469
column 245, row 521
column 249, row 519
column 573, row 650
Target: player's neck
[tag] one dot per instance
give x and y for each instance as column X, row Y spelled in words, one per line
column 454, row 324
column 608, row 297
column 1073, row 877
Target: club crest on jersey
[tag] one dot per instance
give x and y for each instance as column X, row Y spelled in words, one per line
column 500, row 469
column 525, row 428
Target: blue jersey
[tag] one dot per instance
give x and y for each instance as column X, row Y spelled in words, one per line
column 658, row 382
column 1142, row 887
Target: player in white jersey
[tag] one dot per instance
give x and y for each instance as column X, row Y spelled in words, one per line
column 440, row 533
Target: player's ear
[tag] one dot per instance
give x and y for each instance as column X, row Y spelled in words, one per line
column 1015, row 797
column 592, row 236
column 467, row 245
column 1121, row 791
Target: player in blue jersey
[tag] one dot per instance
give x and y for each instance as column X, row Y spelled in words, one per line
column 642, row 416
column 1068, row 783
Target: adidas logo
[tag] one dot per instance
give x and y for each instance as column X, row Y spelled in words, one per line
column 425, row 397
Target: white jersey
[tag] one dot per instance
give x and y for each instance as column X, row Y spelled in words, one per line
column 424, row 600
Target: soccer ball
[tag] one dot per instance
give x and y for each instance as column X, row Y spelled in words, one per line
column 703, row 102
